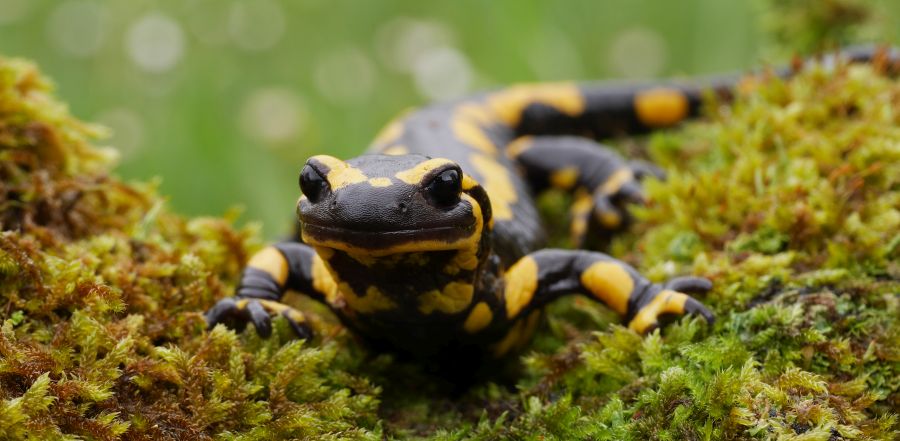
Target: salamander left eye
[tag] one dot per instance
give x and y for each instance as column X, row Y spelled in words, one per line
column 445, row 188
column 312, row 184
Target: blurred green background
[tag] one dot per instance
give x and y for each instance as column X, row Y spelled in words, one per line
column 225, row 99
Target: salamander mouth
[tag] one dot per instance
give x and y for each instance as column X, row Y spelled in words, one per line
column 438, row 238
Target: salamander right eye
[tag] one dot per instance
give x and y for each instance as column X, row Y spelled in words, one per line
column 445, row 188
column 312, row 184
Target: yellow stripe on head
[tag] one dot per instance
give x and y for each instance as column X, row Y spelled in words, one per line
column 417, row 173
column 340, row 174
column 380, row 182
column 497, row 183
column 468, row 183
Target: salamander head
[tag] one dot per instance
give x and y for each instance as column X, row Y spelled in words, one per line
column 379, row 205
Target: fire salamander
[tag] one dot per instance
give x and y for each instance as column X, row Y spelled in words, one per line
column 431, row 245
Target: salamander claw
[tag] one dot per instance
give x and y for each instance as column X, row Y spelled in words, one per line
column 236, row 312
column 670, row 299
column 259, row 316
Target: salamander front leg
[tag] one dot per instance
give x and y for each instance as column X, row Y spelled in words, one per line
column 602, row 182
column 543, row 276
column 269, row 273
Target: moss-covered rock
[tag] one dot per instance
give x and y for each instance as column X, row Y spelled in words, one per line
column 787, row 199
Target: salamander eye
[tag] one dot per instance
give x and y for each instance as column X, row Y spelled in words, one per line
column 445, row 188
column 312, row 184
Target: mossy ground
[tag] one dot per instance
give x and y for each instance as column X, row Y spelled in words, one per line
column 788, row 200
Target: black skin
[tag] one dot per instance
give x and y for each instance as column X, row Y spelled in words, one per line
column 384, row 236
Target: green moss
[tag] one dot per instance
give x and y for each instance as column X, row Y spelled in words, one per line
column 788, row 200
column 807, row 26
column 101, row 295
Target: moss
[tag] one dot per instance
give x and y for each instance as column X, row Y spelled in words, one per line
column 788, row 199
column 101, row 294
column 807, row 26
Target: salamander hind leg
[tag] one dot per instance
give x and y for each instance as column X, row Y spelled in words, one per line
column 546, row 275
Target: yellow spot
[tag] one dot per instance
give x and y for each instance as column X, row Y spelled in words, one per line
column 660, row 107
column 365, row 259
column 373, row 301
column 455, row 297
column 295, row 315
column 666, row 302
column 419, row 259
column 323, row 282
column 468, row 123
column 472, row 135
column 513, row 336
column 578, row 228
column 389, row 133
column 580, row 210
column 415, row 174
column 466, row 260
column 396, row 150
column 610, row 283
column 480, row 317
column 521, row 283
column 380, row 182
column 271, row 261
column 610, row 219
column 564, row 179
column 616, row 180
column 476, row 113
column 509, row 104
column 519, row 146
column 528, row 330
column 498, row 185
column 340, row 174
column 324, row 253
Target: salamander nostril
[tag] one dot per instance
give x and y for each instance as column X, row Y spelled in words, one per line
column 402, row 207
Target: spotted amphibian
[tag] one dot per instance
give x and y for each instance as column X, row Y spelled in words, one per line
column 431, row 245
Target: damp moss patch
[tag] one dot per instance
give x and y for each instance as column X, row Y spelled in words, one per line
column 787, row 199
